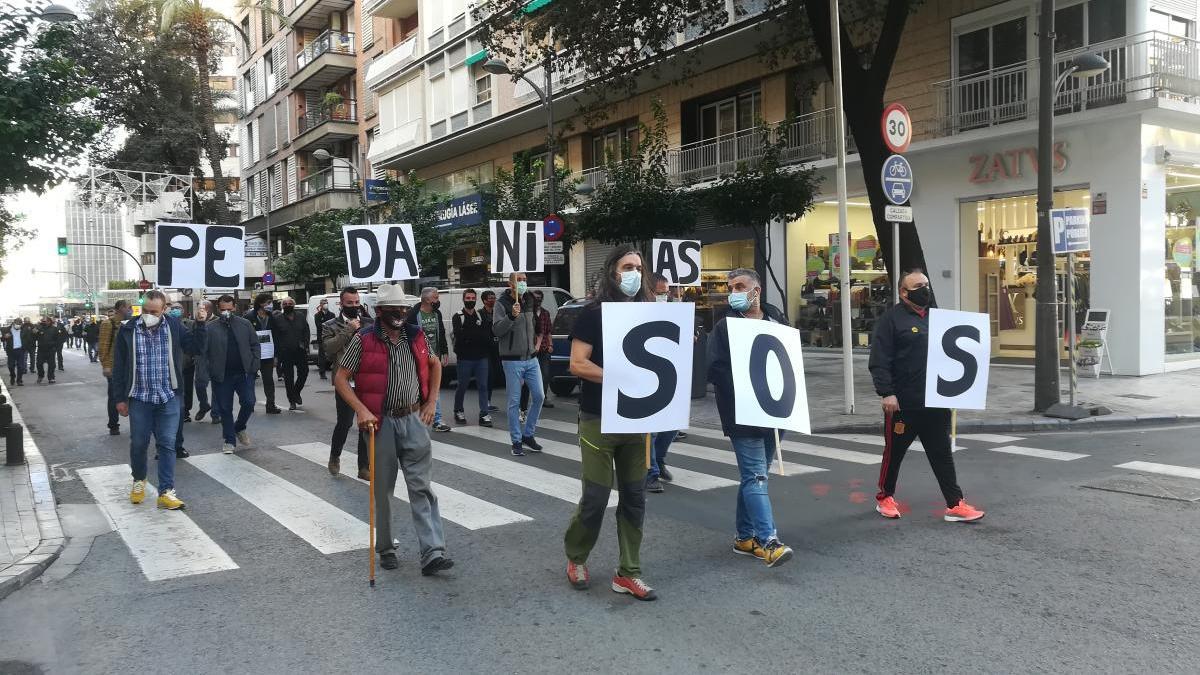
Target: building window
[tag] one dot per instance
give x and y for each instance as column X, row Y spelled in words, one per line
column 996, row 46
column 483, row 89
column 1088, row 23
column 1171, row 24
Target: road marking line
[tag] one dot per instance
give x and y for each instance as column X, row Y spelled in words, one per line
column 1038, row 452
column 877, row 440
column 326, row 527
column 457, row 507
column 166, row 544
column 832, row 453
column 523, row 475
column 991, row 438
column 691, row 480
column 1164, row 469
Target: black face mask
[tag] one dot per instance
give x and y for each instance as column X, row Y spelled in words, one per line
column 469, row 304
column 350, row 312
column 921, row 297
column 288, row 310
column 392, row 317
column 436, row 305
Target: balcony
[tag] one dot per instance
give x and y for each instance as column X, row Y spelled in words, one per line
column 384, row 69
column 314, row 14
column 523, row 93
column 1142, row 66
column 389, row 143
column 325, row 60
column 322, row 128
column 332, row 179
column 391, row 9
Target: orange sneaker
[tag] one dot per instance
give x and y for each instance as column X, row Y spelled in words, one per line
column 633, row 586
column 963, row 513
column 577, row 574
column 887, row 507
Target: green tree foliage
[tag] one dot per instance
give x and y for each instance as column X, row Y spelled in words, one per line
column 409, row 202
column 318, row 251
column 521, row 194
column 638, row 201
column 626, row 46
column 122, row 285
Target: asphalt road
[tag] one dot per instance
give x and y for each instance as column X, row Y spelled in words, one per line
column 1064, row 574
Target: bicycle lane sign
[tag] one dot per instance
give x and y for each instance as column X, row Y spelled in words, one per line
column 897, row 178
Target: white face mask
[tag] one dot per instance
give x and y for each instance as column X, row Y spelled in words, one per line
column 151, row 320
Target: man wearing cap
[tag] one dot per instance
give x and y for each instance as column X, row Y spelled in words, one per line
column 396, row 381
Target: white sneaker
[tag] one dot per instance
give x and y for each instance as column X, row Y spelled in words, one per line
column 243, row 439
column 227, row 448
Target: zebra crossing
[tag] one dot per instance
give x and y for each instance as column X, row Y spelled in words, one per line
column 170, row 544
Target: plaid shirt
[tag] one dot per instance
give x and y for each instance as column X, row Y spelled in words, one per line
column 152, row 377
column 543, row 330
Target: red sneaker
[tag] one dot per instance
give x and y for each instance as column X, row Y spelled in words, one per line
column 633, row 586
column 963, row 513
column 578, row 575
column 887, row 507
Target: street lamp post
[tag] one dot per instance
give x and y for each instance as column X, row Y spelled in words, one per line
column 56, row 13
column 545, row 94
column 324, row 155
column 1047, row 394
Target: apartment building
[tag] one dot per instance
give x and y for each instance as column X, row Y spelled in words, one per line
column 1127, row 147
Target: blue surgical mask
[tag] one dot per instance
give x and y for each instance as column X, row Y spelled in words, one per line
column 522, row 288
column 631, row 282
column 739, row 301
column 176, row 312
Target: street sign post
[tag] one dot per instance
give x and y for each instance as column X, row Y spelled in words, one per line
column 552, row 227
column 897, row 128
column 144, row 285
column 897, row 180
column 1072, row 233
column 268, row 278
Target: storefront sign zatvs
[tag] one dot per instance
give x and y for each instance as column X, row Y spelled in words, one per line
column 461, row 212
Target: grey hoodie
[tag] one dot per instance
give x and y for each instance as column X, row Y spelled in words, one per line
column 515, row 336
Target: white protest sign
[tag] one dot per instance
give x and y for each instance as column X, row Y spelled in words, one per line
column 266, row 345
column 960, row 347
column 768, row 375
column 380, row 252
column 678, row 260
column 647, row 366
column 201, row 256
column 517, row 246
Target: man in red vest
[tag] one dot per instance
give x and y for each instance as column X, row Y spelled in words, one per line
column 395, row 391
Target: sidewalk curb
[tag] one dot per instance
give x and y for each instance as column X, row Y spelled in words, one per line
column 52, row 542
column 1028, row 424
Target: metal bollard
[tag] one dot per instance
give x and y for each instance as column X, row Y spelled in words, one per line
column 5, row 416
column 15, row 450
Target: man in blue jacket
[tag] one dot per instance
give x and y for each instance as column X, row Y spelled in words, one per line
column 147, row 376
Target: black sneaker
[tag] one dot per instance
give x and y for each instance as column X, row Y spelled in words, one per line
column 182, row 453
column 293, row 406
column 531, row 443
column 114, row 431
column 186, row 419
column 664, row 474
column 653, row 485
column 492, row 408
column 273, row 410
column 201, row 413
column 460, row 417
column 517, row 450
column 680, row 436
column 485, row 420
column 438, row 426
column 40, row 378
column 388, row 561
column 215, row 419
column 436, row 565
column 299, row 401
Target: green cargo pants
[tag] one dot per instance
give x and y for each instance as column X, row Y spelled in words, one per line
column 600, row 454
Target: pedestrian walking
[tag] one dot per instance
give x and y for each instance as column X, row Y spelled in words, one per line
column 63, row 335
column 543, row 347
column 17, row 339
column 290, row 333
column 429, row 314
column 396, row 390
column 108, row 342
column 753, row 447
column 91, row 338
column 77, row 333
column 195, row 369
column 338, row 332
column 147, row 375
column 31, row 351
column 472, row 345
column 322, row 317
column 232, row 350
column 605, row 454
column 260, row 318
column 517, row 334
column 495, row 372
column 47, row 338
column 899, row 351
column 661, row 441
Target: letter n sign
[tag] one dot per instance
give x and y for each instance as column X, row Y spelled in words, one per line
column 960, row 348
column 768, row 375
column 517, row 246
column 201, row 256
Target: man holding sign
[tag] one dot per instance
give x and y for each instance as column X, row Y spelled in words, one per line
column 753, row 446
column 899, row 356
column 601, row 452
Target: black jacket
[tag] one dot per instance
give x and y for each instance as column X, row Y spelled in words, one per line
column 290, row 335
column 47, row 337
column 91, row 331
column 472, row 336
column 320, row 319
column 899, row 350
column 720, row 373
column 441, row 348
column 216, row 346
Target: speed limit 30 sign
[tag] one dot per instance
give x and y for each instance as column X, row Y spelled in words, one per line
column 897, row 128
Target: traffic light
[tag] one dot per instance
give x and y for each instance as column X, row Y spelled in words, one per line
column 62, row 245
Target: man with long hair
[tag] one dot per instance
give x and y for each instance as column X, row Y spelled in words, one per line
column 624, row 281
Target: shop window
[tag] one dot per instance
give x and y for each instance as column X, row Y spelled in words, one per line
column 1182, row 329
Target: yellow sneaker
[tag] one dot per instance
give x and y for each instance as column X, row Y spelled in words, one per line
column 168, row 500
column 748, row 547
column 138, row 492
column 775, row 552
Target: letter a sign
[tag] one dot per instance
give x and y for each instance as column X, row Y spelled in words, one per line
column 376, row 253
column 678, row 260
column 517, row 246
column 960, row 346
column 768, row 375
column 201, row 256
column 647, row 366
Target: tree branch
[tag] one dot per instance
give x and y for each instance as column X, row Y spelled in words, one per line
column 895, row 17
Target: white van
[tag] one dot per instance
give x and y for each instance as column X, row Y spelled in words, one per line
column 335, row 306
column 451, row 299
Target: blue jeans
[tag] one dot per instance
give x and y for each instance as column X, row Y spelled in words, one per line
column 661, row 443
column 478, row 369
column 161, row 419
column 243, row 385
column 516, row 373
column 754, row 518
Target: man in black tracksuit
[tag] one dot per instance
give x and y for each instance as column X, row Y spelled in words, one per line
column 899, row 352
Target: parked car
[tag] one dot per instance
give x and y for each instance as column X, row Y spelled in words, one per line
column 562, row 382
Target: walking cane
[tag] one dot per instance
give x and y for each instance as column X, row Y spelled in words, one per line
column 371, row 499
column 647, row 452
